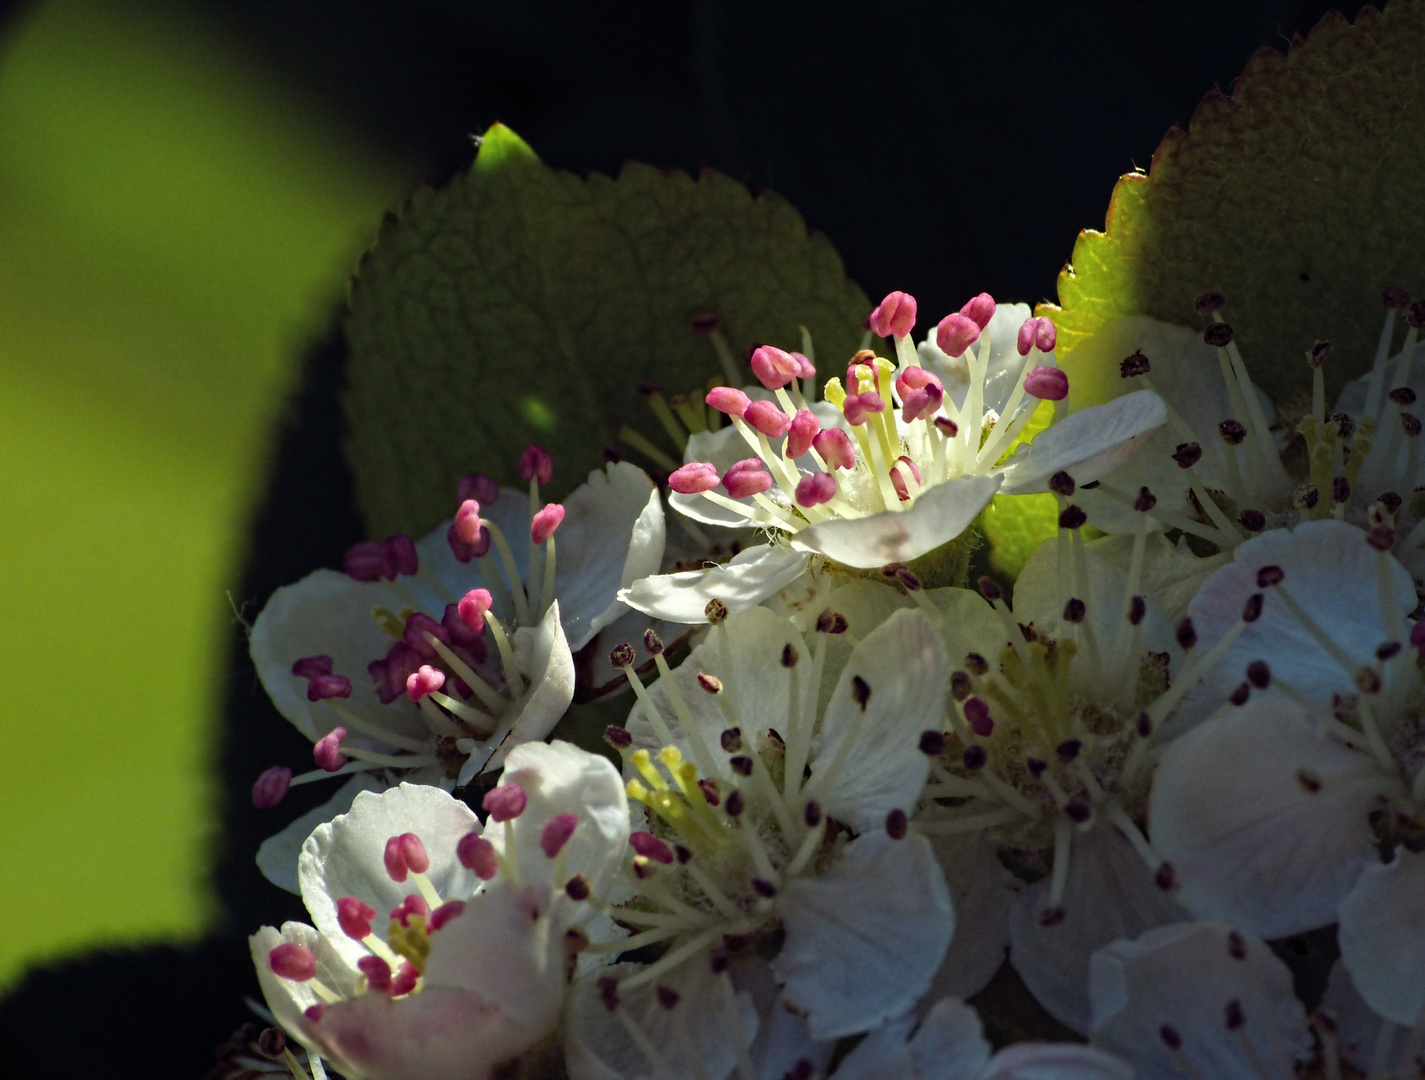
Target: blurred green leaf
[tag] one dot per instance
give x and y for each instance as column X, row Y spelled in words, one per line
column 1299, row 198
column 174, row 224
column 522, row 304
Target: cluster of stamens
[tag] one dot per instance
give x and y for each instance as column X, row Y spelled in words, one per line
column 444, row 667
column 1057, row 734
column 903, row 433
column 1364, row 469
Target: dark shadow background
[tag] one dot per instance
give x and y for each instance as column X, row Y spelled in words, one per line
column 944, row 147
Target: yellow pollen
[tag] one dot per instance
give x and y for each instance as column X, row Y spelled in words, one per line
column 643, row 762
column 411, row 941
column 671, row 757
column 834, row 393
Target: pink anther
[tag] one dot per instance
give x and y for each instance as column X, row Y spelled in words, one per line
column 556, row 833
column 746, row 478
column 473, row 607
column 956, row 333
column 364, row 561
column 478, row 854
column 271, row 787
column 322, row 687
column 921, row 403
column 314, row 1013
column 447, row 911
column 1047, row 383
column 377, row 972
column 405, row 854
column 309, row 667
column 980, row 310
column 425, row 680
column 773, row 367
column 651, row 847
column 354, row 917
column 411, row 905
column 399, row 558
column 505, row 802
column 542, row 527
column 894, row 316
column 803, row 430
column 477, row 486
column 904, row 466
column 327, row 750
column 835, row 448
column 464, row 552
column 815, row 489
column 467, row 522
column 914, row 378
column 1036, row 334
column 857, row 408
column 460, row 634
column 405, row 981
column 805, row 368
column 536, row 464
column 694, row 477
column 293, row 960
column 418, row 625
column 729, row 400
column 766, row 417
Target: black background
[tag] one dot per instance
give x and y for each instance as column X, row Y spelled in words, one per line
column 944, row 148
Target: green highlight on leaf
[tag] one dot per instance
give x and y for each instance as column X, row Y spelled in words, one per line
column 522, row 304
column 1298, row 198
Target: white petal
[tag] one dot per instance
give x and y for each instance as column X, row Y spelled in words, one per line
column 1249, row 841
column 611, row 536
column 1360, row 1038
column 277, row 857
column 882, row 1054
column 950, row 1043
column 542, row 653
column 869, row 762
column 782, row 1039
column 505, row 948
column 1110, row 894
column 865, row 936
column 752, row 575
column 982, row 891
column 345, row 856
column 560, row 778
column 1056, row 1061
column 327, row 613
column 1184, row 976
column 1087, row 444
column 287, row 998
column 597, row 1046
column 1045, row 585
column 1185, row 373
column 1383, row 937
column 1331, row 572
column 745, row 653
column 438, row 1034
column 942, row 513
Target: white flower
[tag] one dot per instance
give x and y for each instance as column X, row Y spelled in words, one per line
column 434, row 659
column 1198, row 1000
column 905, row 458
column 1217, row 468
column 440, row 948
column 1273, row 814
column 1360, row 1037
column 747, row 855
column 1059, row 705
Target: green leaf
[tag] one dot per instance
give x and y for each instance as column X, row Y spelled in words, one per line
column 522, row 304
column 1299, row 198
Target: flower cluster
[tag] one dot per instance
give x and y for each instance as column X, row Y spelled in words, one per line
column 850, row 806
